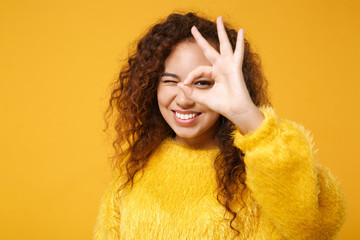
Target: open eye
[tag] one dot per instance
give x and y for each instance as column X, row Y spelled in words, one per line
column 204, row 84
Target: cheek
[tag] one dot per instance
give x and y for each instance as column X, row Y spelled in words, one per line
column 164, row 96
column 213, row 117
column 216, row 117
column 160, row 97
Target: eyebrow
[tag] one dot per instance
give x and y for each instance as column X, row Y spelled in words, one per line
column 175, row 76
column 169, row 75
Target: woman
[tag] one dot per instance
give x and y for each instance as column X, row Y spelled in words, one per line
column 200, row 152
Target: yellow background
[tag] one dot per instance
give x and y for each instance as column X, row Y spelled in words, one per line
column 57, row 59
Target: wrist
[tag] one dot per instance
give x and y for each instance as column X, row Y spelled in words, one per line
column 249, row 121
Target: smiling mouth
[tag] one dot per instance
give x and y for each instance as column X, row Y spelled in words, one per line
column 186, row 116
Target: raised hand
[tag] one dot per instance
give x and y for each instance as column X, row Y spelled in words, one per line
column 228, row 95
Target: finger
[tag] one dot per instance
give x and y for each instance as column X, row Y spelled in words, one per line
column 186, row 90
column 225, row 46
column 201, row 71
column 192, row 94
column 239, row 50
column 209, row 52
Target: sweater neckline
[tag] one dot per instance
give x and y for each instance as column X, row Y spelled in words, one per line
column 182, row 153
column 179, row 144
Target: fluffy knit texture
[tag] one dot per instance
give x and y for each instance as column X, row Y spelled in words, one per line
column 288, row 195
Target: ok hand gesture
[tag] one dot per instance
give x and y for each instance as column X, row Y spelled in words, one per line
column 229, row 95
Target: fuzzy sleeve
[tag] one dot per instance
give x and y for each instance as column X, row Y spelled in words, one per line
column 108, row 221
column 298, row 197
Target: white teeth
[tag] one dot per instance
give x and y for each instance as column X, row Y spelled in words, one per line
column 185, row 116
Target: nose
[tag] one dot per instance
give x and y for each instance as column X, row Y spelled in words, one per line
column 182, row 101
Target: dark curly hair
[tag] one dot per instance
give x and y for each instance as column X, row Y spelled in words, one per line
column 139, row 125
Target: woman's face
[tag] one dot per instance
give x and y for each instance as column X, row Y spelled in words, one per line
column 194, row 124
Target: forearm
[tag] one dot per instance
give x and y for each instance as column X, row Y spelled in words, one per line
column 283, row 178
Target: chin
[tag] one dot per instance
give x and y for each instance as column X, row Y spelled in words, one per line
column 186, row 135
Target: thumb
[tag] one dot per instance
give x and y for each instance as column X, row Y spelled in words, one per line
column 190, row 93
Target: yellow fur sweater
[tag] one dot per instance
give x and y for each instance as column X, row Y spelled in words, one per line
column 289, row 196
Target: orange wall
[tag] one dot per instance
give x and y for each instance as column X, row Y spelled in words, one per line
column 58, row 57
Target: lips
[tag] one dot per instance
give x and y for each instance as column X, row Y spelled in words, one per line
column 185, row 117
